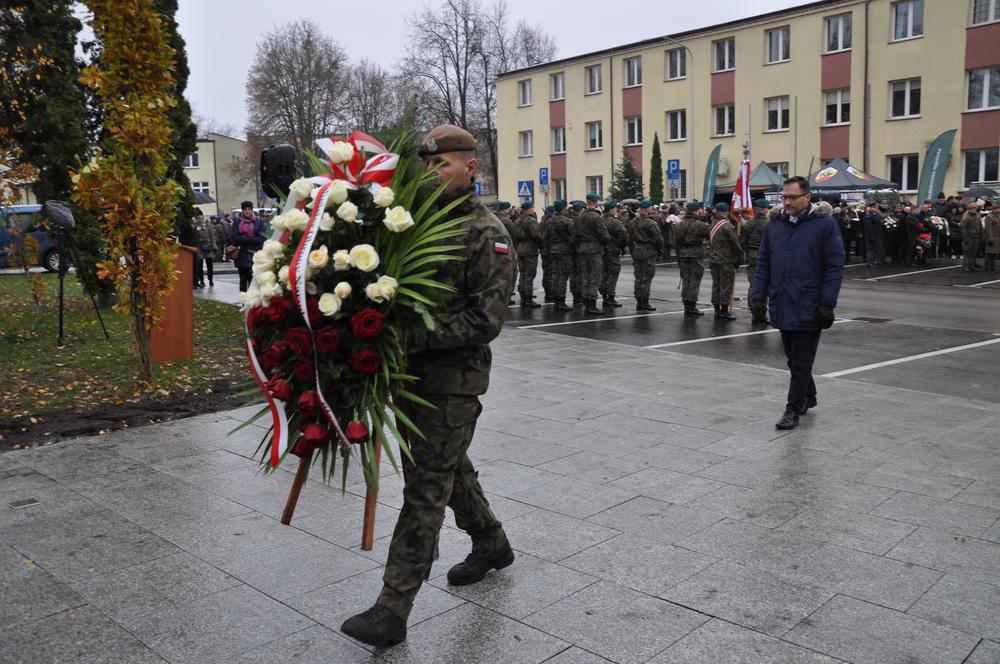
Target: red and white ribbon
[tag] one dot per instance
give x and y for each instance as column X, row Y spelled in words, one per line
column 361, row 171
column 279, row 440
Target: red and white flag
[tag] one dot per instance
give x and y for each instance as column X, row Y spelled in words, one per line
column 741, row 194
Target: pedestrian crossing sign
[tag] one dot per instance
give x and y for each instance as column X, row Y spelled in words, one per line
column 525, row 189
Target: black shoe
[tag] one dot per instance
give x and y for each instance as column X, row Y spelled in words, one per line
column 789, row 420
column 590, row 307
column 529, row 303
column 615, row 303
column 476, row 565
column 549, row 298
column 606, row 304
column 211, row 284
column 724, row 314
column 561, row 305
column 511, row 302
column 378, row 626
column 810, row 404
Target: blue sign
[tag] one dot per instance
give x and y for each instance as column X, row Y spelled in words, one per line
column 543, row 176
column 479, row 188
column 525, row 188
column 673, row 169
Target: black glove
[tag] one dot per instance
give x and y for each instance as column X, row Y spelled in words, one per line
column 824, row 316
column 758, row 308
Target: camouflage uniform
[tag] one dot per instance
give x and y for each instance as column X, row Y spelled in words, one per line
column 665, row 229
column 646, row 244
column 591, row 236
column 559, row 239
column 750, row 239
column 689, row 240
column 574, row 275
column 612, row 258
column 528, row 241
column 546, row 257
column 453, row 365
column 723, row 254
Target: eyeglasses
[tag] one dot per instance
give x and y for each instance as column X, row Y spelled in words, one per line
column 792, row 197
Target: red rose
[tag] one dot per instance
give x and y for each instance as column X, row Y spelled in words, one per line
column 300, row 449
column 308, row 404
column 366, row 360
column 366, row 323
column 270, row 359
column 299, row 340
column 280, row 390
column 315, row 436
column 327, row 340
column 255, row 317
column 281, row 348
column 279, row 309
column 305, row 370
column 356, row 432
column 312, row 307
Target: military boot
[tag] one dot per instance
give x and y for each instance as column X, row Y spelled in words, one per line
column 378, row 626
column 549, row 298
column 691, row 309
column 578, row 302
column 528, row 303
column 477, row 564
column 561, row 304
column 614, row 302
column 718, row 310
column 590, row 307
column 724, row 314
column 606, row 303
column 646, row 306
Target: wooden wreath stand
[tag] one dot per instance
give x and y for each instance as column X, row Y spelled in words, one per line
column 371, row 497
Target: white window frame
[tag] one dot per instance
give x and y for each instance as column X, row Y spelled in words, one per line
column 779, row 167
column 981, row 174
column 559, row 188
column 191, row 160
column 841, row 21
column 557, row 86
column 526, row 143
column 524, row 93
column 992, row 12
column 678, row 193
column 783, row 109
column 911, row 28
column 839, row 99
column 907, row 186
column 677, row 125
column 908, row 98
column 595, row 135
column 633, row 71
column 676, row 59
column 729, row 111
column 729, row 51
column 200, row 186
column 558, row 140
column 784, row 45
column 589, row 79
column 633, row 130
column 991, row 77
column 595, row 185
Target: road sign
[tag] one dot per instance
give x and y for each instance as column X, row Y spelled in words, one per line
column 673, row 169
column 479, row 189
column 525, row 188
column 543, row 176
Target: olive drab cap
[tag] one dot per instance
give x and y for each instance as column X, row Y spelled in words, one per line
column 692, row 206
column 528, row 204
column 645, row 204
column 447, row 138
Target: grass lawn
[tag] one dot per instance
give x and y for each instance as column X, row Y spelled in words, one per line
column 41, row 377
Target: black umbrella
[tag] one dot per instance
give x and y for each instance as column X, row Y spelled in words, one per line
column 201, row 198
column 981, row 191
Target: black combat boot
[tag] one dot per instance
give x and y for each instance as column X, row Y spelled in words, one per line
column 477, row 564
column 614, row 302
column 646, row 306
column 724, row 314
column 549, row 298
column 528, row 303
column 606, row 303
column 718, row 310
column 590, row 307
column 578, row 302
column 561, row 304
column 378, row 626
column 691, row 309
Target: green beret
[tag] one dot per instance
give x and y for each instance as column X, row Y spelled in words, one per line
column 593, row 198
column 559, row 205
column 578, row 205
column 503, row 205
column 722, row 207
column 692, row 206
column 645, row 203
column 550, row 208
column 528, row 204
column 761, row 203
column 610, row 203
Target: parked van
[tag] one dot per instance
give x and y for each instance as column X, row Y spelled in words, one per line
column 17, row 221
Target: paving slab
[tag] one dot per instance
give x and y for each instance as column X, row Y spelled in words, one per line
column 863, row 532
column 29, row 592
column 717, row 641
column 574, row 497
column 945, row 552
column 945, row 515
column 554, row 536
column 658, row 520
column 314, row 645
column 987, row 652
column 963, row 603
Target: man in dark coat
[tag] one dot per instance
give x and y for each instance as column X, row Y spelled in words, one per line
column 873, row 235
column 800, row 269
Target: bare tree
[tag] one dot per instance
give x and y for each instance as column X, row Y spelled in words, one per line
column 207, row 125
column 370, row 103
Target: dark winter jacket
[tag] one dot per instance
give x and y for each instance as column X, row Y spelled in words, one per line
column 800, row 267
column 248, row 244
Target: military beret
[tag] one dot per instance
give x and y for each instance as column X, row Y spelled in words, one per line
column 503, row 205
column 722, row 207
column 610, row 203
column 447, row 138
column 559, row 205
column 645, row 203
column 692, row 206
column 761, row 203
column 593, row 198
column 578, row 205
column 528, row 204
column 550, row 208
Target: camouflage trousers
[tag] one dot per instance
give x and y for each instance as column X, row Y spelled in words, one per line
column 751, row 272
column 575, row 280
column 562, row 271
column 645, row 270
column 723, row 282
column 691, row 273
column 440, row 475
column 527, row 268
column 590, row 266
column 547, row 273
column 611, row 268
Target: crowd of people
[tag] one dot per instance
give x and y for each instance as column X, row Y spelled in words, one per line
column 225, row 238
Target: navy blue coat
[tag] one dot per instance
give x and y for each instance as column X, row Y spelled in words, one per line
column 248, row 244
column 800, row 266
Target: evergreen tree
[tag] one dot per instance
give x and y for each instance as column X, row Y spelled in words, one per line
column 627, row 180
column 656, row 172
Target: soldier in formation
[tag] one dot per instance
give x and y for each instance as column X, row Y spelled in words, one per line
column 613, row 249
column 558, row 232
column 528, row 242
column 591, row 237
column 690, row 237
column 645, row 243
column 546, row 254
column 575, row 281
column 753, row 233
column 724, row 257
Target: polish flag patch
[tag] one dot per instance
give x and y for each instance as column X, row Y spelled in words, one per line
column 500, row 247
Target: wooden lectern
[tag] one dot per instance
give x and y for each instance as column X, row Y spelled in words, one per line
column 173, row 338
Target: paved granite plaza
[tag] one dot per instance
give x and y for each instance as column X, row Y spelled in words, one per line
column 657, row 516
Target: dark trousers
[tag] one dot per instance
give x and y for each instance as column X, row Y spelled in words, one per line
column 209, row 270
column 800, row 350
column 246, row 275
column 199, row 274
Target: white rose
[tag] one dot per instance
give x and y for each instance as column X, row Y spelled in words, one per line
column 341, row 260
column 338, row 193
column 329, row 304
column 318, row 258
column 296, row 219
column 388, row 286
column 326, row 222
column 266, row 264
column 271, row 290
column 273, row 248
column 342, row 290
column 348, row 211
column 364, row 257
column 265, row 279
column 397, row 219
column 341, row 152
column 311, row 288
column 302, row 188
column 374, row 293
column 384, row 197
column 278, row 223
column 283, row 275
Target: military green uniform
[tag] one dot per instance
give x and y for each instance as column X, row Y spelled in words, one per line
column 574, row 277
column 750, row 239
column 665, row 229
column 528, row 241
column 453, row 367
column 646, row 243
column 690, row 236
column 559, row 238
column 546, row 257
column 591, row 236
column 972, row 235
column 611, row 266
column 724, row 254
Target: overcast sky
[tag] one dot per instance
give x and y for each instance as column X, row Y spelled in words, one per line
column 221, row 34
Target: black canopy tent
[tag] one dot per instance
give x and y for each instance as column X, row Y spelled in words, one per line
column 839, row 177
column 763, row 179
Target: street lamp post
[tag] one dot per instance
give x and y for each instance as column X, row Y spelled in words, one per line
column 689, row 73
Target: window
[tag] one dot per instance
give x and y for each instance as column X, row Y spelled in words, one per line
column 779, row 45
column 985, row 11
column 595, row 185
column 678, row 188
column 559, row 188
column 677, row 63
column 676, row 125
column 595, row 136
column 777, row 114
column 725, row 54
column 838, row 107
column 905, row 98
column 633, row 71
column 524, row 93
column 527, row 140
column 780, row 167
column 199, row 187
column 191, row 161
column 725, row 120
column 633, row 130
column 907, row 19
column 558, row 140
column 981, row 166
column 593, row 75
column 838, row 33
column 903, row 171
column 984, row 88
column 558, row 82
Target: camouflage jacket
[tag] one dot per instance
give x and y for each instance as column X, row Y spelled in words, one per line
column 528, row 238
column 646, row 239
column 753, row 233
column 455, row 359
column 559, row 235
column 690, row 236
column 617, row 234
column 590, row 233
column 972, row 226
column 724, row 246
